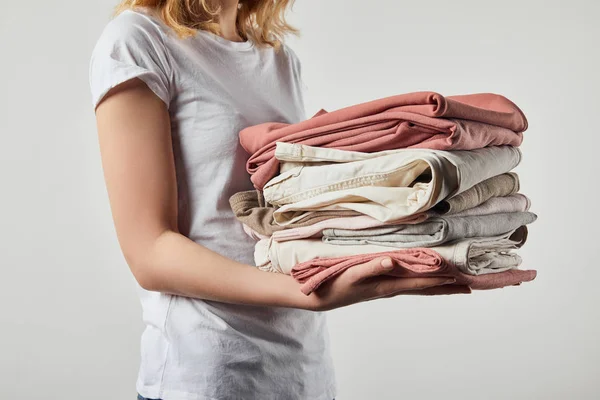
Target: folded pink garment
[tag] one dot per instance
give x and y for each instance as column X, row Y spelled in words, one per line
column 356, row 223
column 413, row 120
column 412, row 263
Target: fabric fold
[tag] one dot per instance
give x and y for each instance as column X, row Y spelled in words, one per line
column 496, row 205
column 359, row 222
column 480, row 263
column 433, row 232
column 513, row 203
column 496, row 186
column 251, row 210
column 412, row 120
column 386, row 188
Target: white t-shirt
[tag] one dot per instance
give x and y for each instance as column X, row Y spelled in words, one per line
column 195, row 349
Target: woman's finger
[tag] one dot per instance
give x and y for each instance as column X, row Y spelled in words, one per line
column 384, row 287
column 375, row 267
column 433, row 291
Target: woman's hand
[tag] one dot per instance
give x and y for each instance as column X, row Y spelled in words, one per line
column 367, row 282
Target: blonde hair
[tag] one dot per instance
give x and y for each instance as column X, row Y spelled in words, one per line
column 262, row 21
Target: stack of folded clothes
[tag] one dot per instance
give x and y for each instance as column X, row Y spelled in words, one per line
column 419, row 177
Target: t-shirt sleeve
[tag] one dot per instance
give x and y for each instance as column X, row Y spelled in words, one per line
column 297, row 72
column 130, row 46
column 297, row 66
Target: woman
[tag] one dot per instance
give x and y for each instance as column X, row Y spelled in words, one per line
column 173, row 82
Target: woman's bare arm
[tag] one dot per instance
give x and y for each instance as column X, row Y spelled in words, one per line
column 137, row 158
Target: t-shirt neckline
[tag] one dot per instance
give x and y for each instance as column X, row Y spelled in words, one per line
column 240, row 46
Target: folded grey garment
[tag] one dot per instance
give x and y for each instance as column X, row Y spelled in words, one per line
column 496, row 186
column 513, row 203
column 485, row 255
column 433, row 232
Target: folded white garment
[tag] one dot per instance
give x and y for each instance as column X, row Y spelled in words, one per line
column 387, row 187
column 473, row 256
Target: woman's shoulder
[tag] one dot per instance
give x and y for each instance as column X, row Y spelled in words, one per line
column 131, row 45
column 139, row 16
column 137, row 27
column 289, row 53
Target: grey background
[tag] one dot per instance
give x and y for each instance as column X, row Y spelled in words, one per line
column 71, row 319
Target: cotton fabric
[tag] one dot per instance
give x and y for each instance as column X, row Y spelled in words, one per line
column 497, row 186
column 489, row 255
column 433, row 232
column 386, row 188
column 193, row 349
column 509, row 204
column 359, row 222
column 390, row 168
column 480, row 263
column 422, row 120
column 411, row 263
column 251, row 209
column 494, row 252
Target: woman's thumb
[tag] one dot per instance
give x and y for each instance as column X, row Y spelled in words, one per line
column 387, row 264
column 377, row 266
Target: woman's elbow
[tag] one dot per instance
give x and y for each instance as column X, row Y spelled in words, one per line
column 146, row 279
column 143, row 257
column 144, row 273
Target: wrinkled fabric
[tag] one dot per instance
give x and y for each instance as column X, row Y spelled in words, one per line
column 509, row 204
column 251, row 210
column 433, row 232
column 479, row 263
column 360, row 222
column 314, row 273
column 456, row 171
column 474, row 256
column 496, row 186
column 254, row 234
column 496, row 205
column 386, row 188
column 485, row 255
column 412, row 120
column 410, row 263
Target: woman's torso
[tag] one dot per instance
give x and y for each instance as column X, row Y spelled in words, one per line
column 193, row 349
